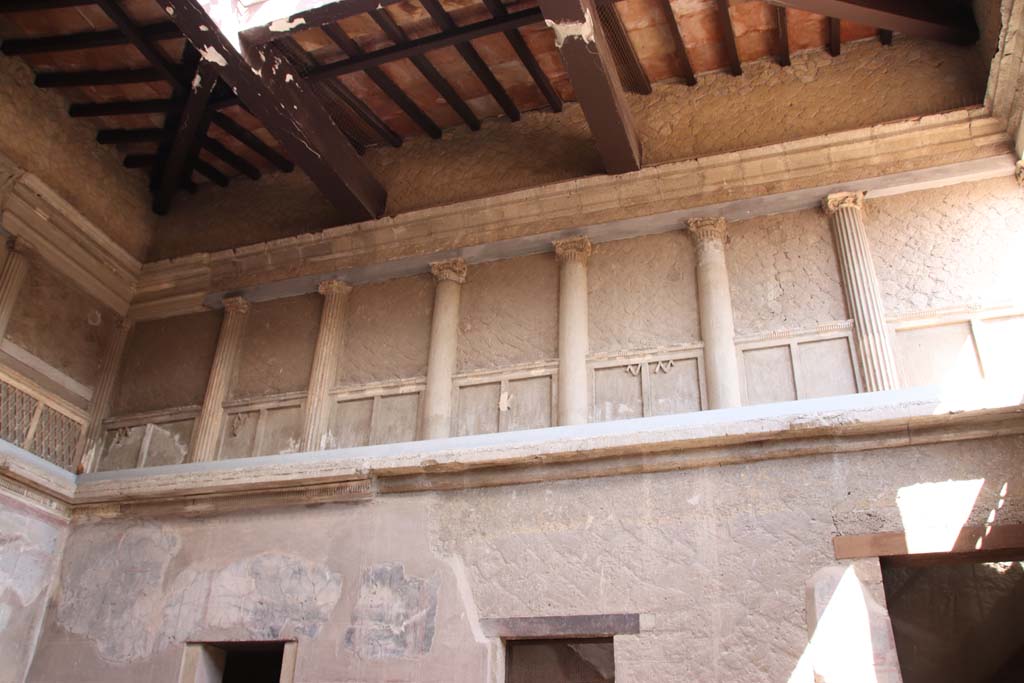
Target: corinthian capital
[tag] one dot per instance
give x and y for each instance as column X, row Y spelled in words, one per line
column 843, row 200
column 704, row 230
column 452, row 269
column 573, row 249
column 236, row 304
column 328, row 287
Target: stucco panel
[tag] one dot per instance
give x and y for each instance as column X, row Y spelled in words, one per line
column 642, row 293
column 277, row 346
column 508, row 313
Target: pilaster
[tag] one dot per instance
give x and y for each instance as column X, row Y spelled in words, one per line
column 206, row 434
column 444, row 338
column 573, row 334
column 12, row 276
column 99, row 409
column 714, row 303
column 316, row 423
column 863, row 295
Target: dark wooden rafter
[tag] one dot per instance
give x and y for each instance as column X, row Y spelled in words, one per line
column 522, row 50
column 834, row 41
column 945, row 21
column 222, row 152
column 90, row 39
column 352, row 49
column 278, row 95
column 38, row 5
column 211, row 172
column 148, row 160
column 72, row 79
column 729, row 38
column 190, row 64
column 631, row 71
column 885, row 36
column 584, row 50
column 139, row 40
column 131, row 107
column 473, row 59
column 682, row 57
column 420, row 46
column 251, row 140
column 188, row 137
column 782, row 50
column 289, row 49
column 122, row 136
column 397, row 36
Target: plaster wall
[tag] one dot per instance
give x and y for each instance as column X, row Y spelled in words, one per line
column 715, row 561
column 56, row 322
column 30, row 546
column 767, row 104
column 40, row 137
column 277, row 346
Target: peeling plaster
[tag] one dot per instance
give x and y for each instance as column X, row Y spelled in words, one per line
column 285, row 25
column 584, row 30
column 394, row 615
column 197, row 82
column 210, row 54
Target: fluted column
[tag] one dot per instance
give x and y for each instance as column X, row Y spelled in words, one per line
column 316, row 423
column 12, row 276
column 863, row 296
column 714, row 303
column 573, row 333
column 444, row 341
column 100, row 407
column 206, row 434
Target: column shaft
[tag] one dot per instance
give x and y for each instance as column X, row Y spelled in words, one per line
column 12, row 276
column 863, row 296
column 92, row 447
column 573, row 331
column 444, row 339
column 714, row 303
column 316, row 423
column 206, row 434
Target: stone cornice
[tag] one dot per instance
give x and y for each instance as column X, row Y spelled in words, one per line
column 452, row 270
column 842, row 200
column 573, row 250
column 65, row 239
column 654, row 199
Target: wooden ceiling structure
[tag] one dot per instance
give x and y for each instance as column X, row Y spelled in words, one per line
column 185, row 97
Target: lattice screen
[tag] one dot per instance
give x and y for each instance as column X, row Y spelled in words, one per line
column 16, row 411
column 55, row 438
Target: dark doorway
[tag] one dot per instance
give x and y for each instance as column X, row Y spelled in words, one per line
column 957, row 622
column 252, row 662
column 580, row 660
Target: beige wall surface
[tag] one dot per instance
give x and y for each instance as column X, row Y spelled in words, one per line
column 277, row 346
column 56, row 322
column 950, row 246
column 767, row 104
column 39, row 136
column 30, row 547
column 715, row 560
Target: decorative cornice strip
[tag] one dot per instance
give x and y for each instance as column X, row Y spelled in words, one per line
column 885, row 159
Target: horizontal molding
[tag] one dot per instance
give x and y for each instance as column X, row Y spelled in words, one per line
column 882, row 160
column 574, row 626
column 66, row 240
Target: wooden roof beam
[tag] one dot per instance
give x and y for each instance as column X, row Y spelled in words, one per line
column 729, row 38
column 163, row 30
column 140, row 41
column 522, row 50
column 39, row 5
column 72, row 79
column 277, row 94
column 397, row 36
column 584, row 49
column 685, row 68
column 834, row 41
column 782, row 49
column 917, row 18
column 473, row 59
column 251, row 140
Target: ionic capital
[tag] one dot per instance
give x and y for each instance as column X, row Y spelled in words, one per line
column 125, row 323
column 335, row 287
column 842, row 200
column 705, row 230
column 236, row 304
column 453, row 270
column 573, row 249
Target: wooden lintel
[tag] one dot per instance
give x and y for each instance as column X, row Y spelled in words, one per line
column 570, row 626
column 584, row 49
column 969, row 540
column 277, row 94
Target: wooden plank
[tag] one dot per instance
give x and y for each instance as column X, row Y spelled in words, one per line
column 522, row 50
column 948, row 22
column 631, row 71
column 834, row 41
column 969, row 540
column 729, row 38
column 73, row 79
column 682, row 57
column 576, row 626
column 120, row 108
column 250, row 140
column 164, row 30
column 278, row 95
column 473, row 59
column 584, row 50
column 352, row 49
column 117, row 136
column 782, row 51
column 190, row 132
column 396, row 35
column 38, row 5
